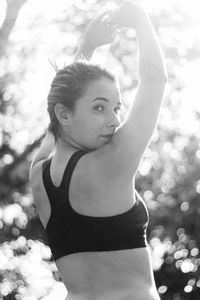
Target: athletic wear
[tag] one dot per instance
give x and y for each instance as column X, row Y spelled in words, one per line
column 70, row 232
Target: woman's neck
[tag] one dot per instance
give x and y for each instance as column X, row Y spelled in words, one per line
column 66, row 143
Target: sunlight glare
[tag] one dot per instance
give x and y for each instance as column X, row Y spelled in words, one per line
column 58, row 291
column 48, row 9
column 190, row 99
column 190, row 8
column 11, row 212
column 155, row 6
column 191, row 96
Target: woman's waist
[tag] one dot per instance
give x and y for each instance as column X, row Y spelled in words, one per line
column 136, row 292
column 107, row 271
column 117, row 288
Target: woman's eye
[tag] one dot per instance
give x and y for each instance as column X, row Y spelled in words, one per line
column 99, row 108
column 117, row 110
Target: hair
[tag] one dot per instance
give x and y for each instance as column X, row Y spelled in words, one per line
column 69, row 85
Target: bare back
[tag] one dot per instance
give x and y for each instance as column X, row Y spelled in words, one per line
column 98, row 275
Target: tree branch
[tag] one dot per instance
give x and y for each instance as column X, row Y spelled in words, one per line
column 13, row 8
column 5, row 173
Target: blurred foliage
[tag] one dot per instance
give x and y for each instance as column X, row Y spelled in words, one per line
column 169, row 176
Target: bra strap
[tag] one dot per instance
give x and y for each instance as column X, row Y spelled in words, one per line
column 46, row 178
column 70, row 168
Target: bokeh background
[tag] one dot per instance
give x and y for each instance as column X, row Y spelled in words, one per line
column 35, row 32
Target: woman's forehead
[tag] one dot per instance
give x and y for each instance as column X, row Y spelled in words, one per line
column 101, row 88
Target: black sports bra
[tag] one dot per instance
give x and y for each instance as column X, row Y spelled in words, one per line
column 70, row 232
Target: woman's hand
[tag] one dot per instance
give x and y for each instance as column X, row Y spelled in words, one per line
column 128, row 14
column 99, row 31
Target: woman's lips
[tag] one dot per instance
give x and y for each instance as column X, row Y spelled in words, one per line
column 107, row 135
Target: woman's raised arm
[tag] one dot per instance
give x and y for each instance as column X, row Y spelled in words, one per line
column 134, row 134
column 99, row 32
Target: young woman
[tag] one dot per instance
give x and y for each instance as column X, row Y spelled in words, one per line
column 83, row 174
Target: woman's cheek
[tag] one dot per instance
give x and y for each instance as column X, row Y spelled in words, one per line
column 101, row 118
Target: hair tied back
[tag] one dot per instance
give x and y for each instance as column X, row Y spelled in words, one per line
column 54, row 65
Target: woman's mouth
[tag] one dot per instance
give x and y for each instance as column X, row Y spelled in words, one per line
column 108, row 135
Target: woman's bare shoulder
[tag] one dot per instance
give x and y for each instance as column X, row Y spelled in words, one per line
column 35, row 174
column 108, row 161
column 38, row 191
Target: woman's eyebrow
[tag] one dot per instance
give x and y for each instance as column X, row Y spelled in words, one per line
column 105, row 99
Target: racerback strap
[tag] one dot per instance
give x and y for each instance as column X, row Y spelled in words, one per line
column 70, row 168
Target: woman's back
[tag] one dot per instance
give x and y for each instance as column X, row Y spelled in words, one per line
column 101, row 274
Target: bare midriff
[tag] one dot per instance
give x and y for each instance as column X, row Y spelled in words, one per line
column 118, row 275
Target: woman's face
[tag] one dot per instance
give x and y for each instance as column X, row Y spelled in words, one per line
column 96, row 115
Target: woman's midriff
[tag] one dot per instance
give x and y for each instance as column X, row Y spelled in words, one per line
column 119, row 275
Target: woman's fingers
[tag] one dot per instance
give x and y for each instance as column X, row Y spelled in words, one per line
column 101, row 29
column 104, row 15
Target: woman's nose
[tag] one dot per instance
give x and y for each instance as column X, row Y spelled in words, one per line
column 114, row 122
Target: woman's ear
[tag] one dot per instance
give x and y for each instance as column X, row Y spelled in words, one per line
column 62, row 113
